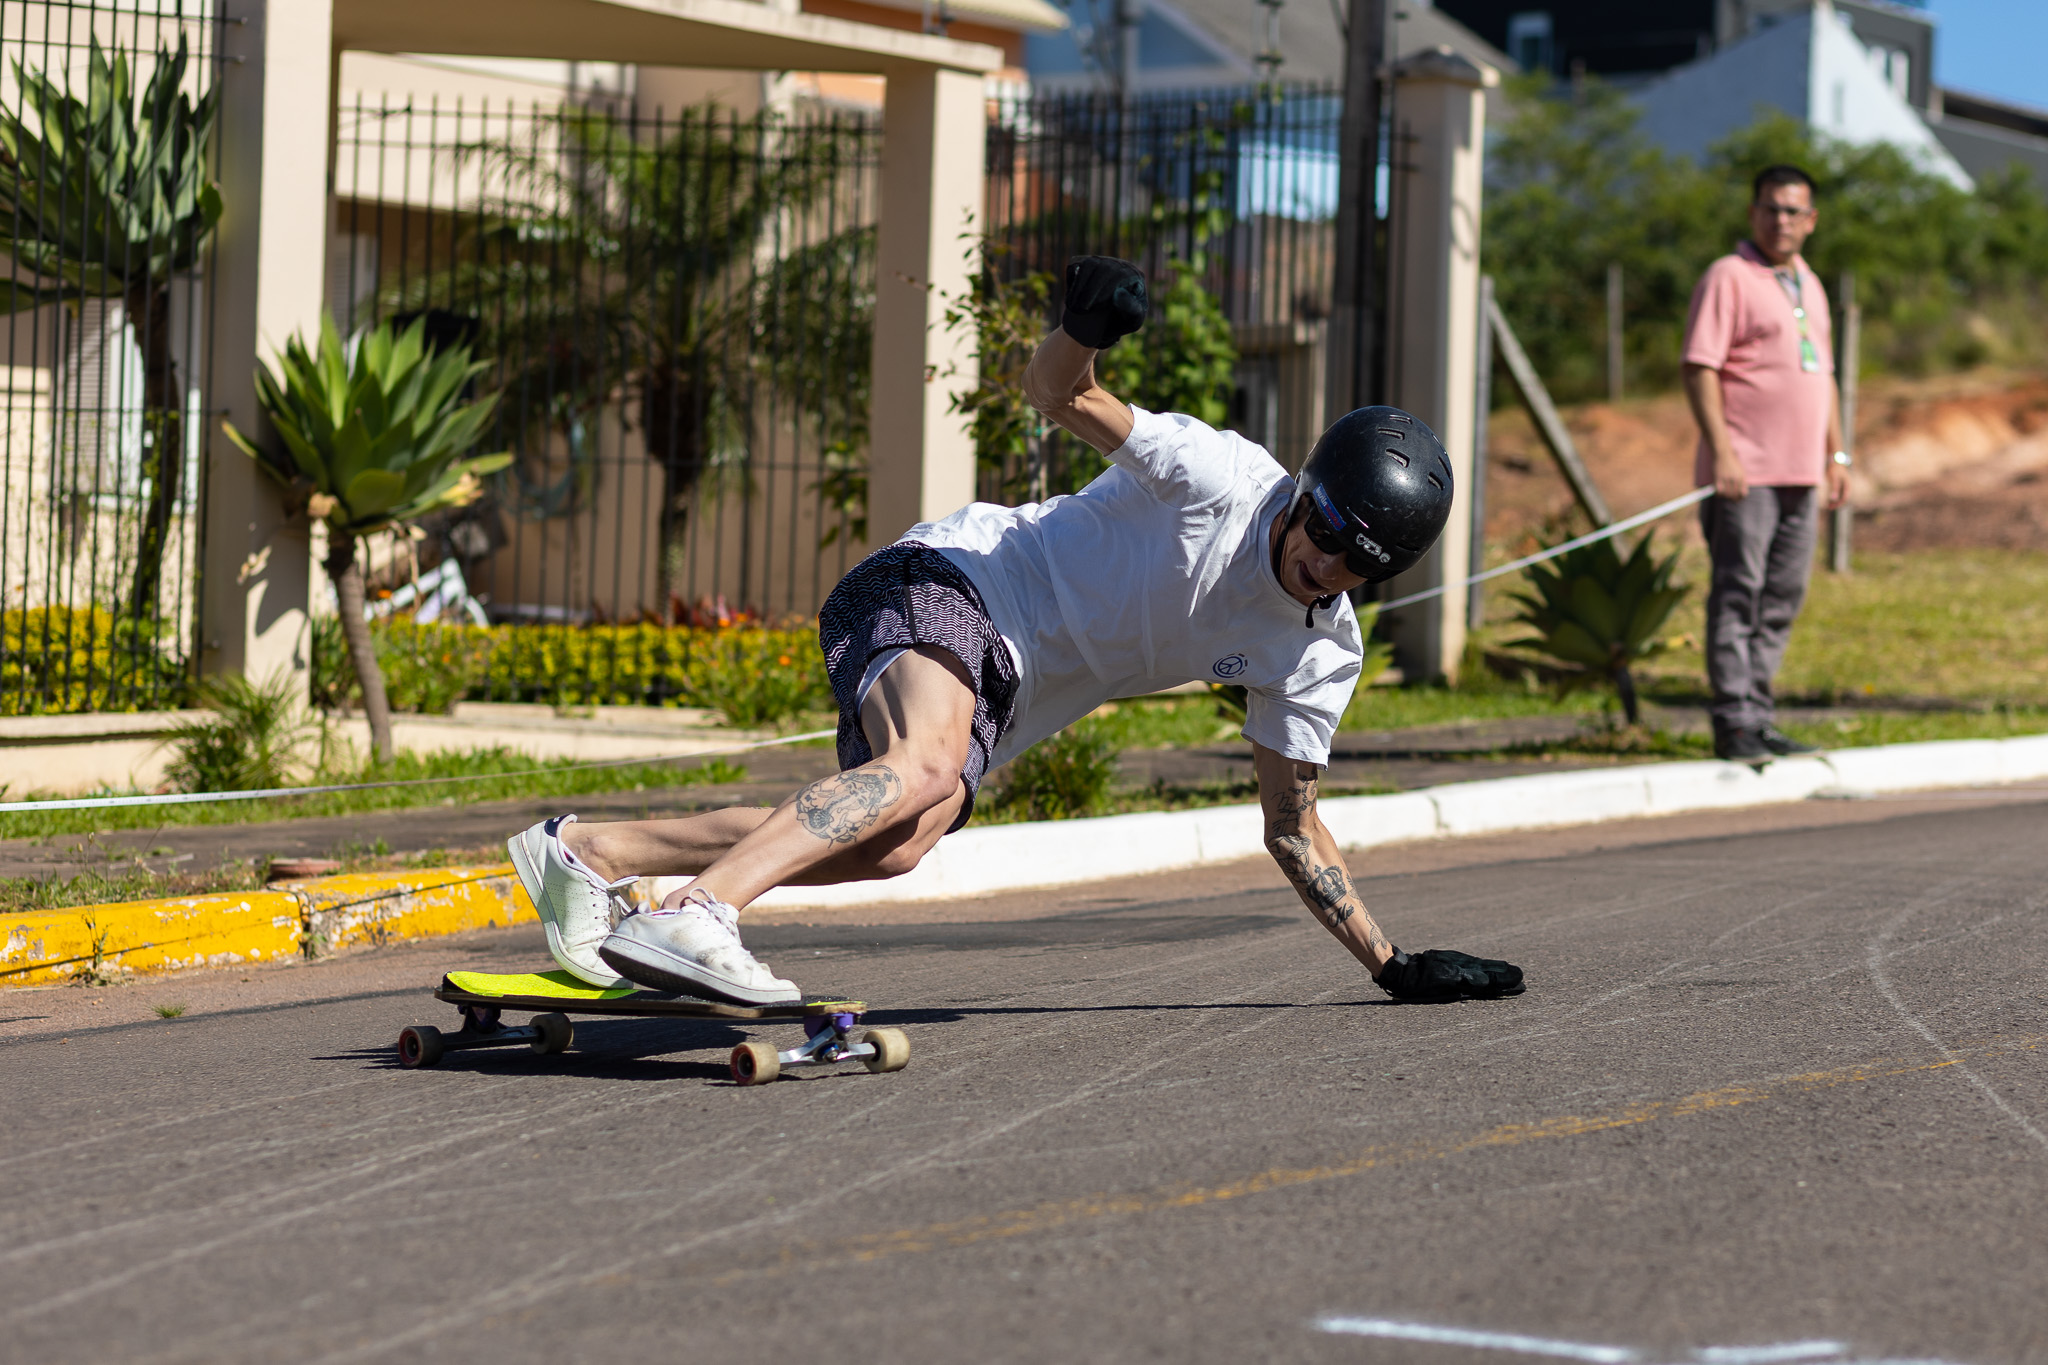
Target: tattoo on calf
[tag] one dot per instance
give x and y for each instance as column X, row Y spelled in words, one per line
column 840, row 809
column 1331, row 893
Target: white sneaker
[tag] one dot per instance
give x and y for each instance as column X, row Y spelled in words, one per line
column 694, row 948
column 575, row 904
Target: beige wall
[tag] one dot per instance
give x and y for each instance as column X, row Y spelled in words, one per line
column 1433, row 334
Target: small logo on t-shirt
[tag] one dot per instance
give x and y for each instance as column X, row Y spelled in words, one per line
column 1230, row 665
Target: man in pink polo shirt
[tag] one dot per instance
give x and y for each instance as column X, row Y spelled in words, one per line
column 1760, row 373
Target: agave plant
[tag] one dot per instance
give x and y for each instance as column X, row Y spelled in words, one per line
column 1600, row 614
column 371, row 441
column 108, row 198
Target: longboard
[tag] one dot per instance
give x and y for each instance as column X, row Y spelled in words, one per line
column 551, row 997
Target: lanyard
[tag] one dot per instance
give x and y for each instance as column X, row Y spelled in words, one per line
column 1794, row 285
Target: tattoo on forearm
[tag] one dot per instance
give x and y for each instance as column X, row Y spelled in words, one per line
column 841, row 809
column 1326, row 890
column 1330, row 892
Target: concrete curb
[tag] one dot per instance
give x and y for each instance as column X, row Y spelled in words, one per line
column 290, row 920
column 977, row 862
column 329, row 914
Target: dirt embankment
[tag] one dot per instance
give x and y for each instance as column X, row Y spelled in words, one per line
column 1956, row 462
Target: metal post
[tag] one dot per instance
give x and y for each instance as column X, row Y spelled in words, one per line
column 1353, row 378
column 1614, row 332
column 1129, row 14
column 1482, row 404
column 1846, row 365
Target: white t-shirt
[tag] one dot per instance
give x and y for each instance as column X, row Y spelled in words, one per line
column 1158, row 573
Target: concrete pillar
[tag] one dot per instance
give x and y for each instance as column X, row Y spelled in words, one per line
column 276, row 102
column 921, row 457
column 1440, row 136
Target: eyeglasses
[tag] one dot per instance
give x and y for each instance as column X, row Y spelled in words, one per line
column 1331, row 541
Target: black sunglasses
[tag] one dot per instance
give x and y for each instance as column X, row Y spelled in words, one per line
column 1331, row 541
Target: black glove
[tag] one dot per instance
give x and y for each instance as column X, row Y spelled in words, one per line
column 1105, row 300
column 1441, row 975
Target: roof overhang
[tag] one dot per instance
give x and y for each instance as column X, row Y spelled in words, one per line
column 705, row 34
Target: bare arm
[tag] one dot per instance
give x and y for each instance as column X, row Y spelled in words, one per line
column 1060, row 382
column 1703, row 391
column 1309, row 856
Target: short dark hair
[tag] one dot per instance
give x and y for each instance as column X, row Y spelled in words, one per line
column 1779, row 174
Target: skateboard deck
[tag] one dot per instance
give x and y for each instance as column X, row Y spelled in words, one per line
column 562, row 992
column 551, row 997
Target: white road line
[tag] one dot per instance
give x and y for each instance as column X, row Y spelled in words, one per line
column 1459, row 1336
column 1769, row 1355
column 1880, row 948
column 1780, row 1354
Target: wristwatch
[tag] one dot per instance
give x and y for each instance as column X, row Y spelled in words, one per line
column 1843, row 458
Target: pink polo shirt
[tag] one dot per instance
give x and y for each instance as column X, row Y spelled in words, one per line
column 1742, row 325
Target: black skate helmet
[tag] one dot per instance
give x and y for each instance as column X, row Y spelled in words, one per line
column 1378, row 486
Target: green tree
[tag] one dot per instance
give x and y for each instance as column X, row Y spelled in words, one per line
column 1946, row 276
column 108, row 197
column 370, row 441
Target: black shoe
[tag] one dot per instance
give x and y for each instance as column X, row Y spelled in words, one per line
column 1740, row 744
column 1780, row 743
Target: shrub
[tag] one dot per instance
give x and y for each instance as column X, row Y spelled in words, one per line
column 759, row 677
column 1066, row 777
column 62, row 660
column 251, row 741
column 1600, row 615
column 753, row 675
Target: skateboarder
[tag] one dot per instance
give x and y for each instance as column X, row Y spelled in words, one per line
column 974, row 637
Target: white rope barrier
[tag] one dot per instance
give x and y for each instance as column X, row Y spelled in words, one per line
column 1662, row 509
column 193, row 798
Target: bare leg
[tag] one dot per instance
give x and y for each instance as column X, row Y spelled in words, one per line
column 877, row 820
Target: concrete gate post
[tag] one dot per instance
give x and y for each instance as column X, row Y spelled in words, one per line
column 276, row 101
column 921, row 457
column 1433, row 270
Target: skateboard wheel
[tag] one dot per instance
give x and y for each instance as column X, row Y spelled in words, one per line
column 419, row 1046
column 892, row 1049
column 755, row 1064
column 553, row 1033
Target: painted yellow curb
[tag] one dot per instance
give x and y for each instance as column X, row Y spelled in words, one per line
column 292, row 919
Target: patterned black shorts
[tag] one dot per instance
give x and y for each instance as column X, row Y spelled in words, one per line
column 909, row 594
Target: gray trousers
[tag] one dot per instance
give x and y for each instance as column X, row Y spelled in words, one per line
column 1762, row 548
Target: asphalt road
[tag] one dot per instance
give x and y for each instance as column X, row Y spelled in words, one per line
column 1778, row 1081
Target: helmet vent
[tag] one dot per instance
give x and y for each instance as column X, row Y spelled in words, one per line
column 1398, row 456
column 1434, row 481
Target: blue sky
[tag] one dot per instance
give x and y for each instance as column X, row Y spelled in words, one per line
column 1994, row 47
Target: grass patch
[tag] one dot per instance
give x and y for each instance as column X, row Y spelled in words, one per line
column 1895, row 727
column 512, row 774
column 1971, row 625
column 169, row 1011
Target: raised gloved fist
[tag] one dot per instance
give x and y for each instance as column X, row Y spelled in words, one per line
column 1441, row 975
column 1105, row 300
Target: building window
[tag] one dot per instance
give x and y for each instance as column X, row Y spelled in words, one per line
column 1895, row 64
column 1529, row 40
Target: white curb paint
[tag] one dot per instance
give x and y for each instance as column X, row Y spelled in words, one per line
column 979, row 862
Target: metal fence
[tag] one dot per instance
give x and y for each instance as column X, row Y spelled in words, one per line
column 676, row 309
column 1236, row 186
column 106, row 116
